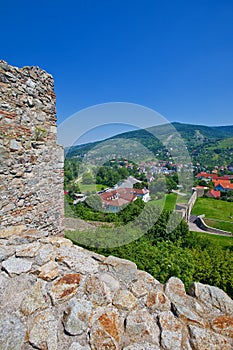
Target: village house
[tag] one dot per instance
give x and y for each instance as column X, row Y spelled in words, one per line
column 223, row 185
column 213, row 194
column 113, row 200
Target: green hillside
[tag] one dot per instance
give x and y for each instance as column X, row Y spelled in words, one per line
column 206, row 145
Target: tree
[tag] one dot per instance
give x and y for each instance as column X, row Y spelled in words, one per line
column 87, row 179
column 94, row 201
column 131, row 211
column 171, row 184
column 158, row 185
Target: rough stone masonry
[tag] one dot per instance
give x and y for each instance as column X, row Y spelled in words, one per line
column 57, row 296
column 31, row 162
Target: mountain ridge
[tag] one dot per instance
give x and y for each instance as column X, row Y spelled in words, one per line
column 199, row 139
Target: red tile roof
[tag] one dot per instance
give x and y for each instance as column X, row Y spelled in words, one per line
column 121, row 196
column 215, row 194
column 226, row 184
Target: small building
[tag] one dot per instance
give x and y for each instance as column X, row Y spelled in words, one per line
column 200, row 190
column 114, row 199
column 213, row 194
column 223, row 185
column 150, row 178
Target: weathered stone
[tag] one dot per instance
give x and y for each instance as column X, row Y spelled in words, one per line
column 124, row 300
column 4, row 279
column 12, row 230
column 16, row 265
column 13, row 290
column 183, row 306
column 49, row 271
column 174, row 289
column 124, row 270
column 76, row 316
column 142, row 346
column 45, row 254
column 30, row 83
column 57, row 241
column 223, row 325
column 171, row 331
column 15, row 145
column 12, row 332
column 27, row 250
column 34, row 300
column 203, row 339
column 5, row 252
column 106, row 329
column 65, row 287
column 157, row 301
column 112, row 283
column 98, row 292
column 80, row 262
column 186, row 313
column 141, row 327
column 144, row 283
column 77, row 346
column 43, row 334
column 212, row 297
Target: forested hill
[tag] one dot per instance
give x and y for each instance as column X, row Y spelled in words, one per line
column 202, row 141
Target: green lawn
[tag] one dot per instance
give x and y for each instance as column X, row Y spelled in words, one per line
column 169, row 203
column 91, row 187
column 218, row 214
column 223, row 241
column 225, row 226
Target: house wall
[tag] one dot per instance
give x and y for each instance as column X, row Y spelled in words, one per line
column 31, row 162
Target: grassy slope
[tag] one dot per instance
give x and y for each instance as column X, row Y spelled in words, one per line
column 216, row 210
column 91, row 187
column 169, row 203
column 223, row 241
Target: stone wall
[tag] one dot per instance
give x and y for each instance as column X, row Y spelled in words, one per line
column 201, row 223
column 31, row 163
column 57, row 296
column 185, row 209
column 191, row 203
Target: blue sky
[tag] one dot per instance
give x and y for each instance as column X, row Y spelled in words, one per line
column 172, row 56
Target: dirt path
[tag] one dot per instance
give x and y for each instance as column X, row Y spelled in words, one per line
column 73, row 224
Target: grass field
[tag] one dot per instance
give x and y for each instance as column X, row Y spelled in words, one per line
column 169, row 203
column 91, row 188
column 218, row 214
column 221, row 225
column 223, row 241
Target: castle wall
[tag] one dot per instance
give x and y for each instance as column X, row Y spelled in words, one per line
column 31, row 162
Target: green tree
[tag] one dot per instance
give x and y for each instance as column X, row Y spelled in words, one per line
column 94, row 201
column 87, row 178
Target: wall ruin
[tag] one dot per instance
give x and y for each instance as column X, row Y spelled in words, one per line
column 31, row 162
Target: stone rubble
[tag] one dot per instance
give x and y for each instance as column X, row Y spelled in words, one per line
column 58, row 296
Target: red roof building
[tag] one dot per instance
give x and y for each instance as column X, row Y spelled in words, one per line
column 115, row 199
column 214, row 194
column 223, row 185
